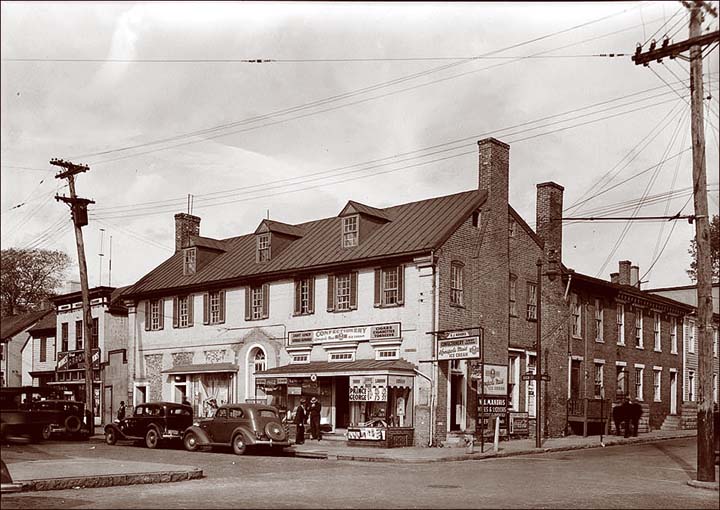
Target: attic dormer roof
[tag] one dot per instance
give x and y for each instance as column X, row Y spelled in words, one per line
column 279, row 227
column 207, row 242
column 353, row 207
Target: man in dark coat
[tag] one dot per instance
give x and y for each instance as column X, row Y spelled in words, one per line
column 315, row 418
column 618, row 417
column 634, row 412
column 299, row 421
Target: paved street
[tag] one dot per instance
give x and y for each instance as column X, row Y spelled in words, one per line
column 637, row 476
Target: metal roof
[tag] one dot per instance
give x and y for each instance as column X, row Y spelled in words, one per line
column 414, row 228
column 14, row 324
column 48, row 322
column 202, row 368
column 367, row 366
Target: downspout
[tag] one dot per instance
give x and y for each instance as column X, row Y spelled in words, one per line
column 435, row 307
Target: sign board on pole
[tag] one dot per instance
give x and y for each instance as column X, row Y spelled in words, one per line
column 495, row 379
column 459, row 344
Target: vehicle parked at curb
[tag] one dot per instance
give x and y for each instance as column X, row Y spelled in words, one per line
column 69, row 420
column 240, row 426
column 152, row 422
column 18, row 422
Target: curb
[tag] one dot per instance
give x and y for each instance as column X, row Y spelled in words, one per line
column 712, row 486
column 88, row 482
column 487, row 454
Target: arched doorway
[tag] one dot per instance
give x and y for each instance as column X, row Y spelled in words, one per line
column 256, row 362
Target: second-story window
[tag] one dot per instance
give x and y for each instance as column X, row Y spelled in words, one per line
column 43, row 349
column 389, row 284
column 304, row 296
column 456, row 284
column 342, row 292
column 673, row 335
column 214, row 307
column 513, row 295
column 183, row 311
column 257, row 302
column 154, row 318
column 95, row 340
column 78, row 335
column 189, row 262
column 531, row 312
column 64, row 328
column 620, row 319
column 599, row 321
column 639, row 328
column 577, row 316
column 691, row 336
column 350, row 231
column 263, row 247
column 656, row 332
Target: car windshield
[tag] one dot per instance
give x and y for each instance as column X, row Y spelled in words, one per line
column 267, row 413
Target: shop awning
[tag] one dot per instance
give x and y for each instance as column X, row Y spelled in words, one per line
column 399, row 367
column 202, row 368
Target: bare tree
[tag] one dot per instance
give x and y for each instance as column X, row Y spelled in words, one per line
column 714, row 252
column 29, row 276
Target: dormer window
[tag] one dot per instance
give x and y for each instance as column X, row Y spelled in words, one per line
column 189, row 258
column 263, row 247
column 350, row 231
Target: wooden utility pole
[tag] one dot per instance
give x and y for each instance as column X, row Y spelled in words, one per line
column 695, row 43
column 78, row 207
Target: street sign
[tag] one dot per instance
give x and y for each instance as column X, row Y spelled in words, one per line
column 529, row 376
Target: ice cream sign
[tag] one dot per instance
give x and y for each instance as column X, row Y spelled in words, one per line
column 459, row 344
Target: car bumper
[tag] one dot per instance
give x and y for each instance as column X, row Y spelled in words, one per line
column 271, row 443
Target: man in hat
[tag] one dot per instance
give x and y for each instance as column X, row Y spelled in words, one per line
column 314, row 412
column 299, row 421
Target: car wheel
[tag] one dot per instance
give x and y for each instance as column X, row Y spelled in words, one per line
column 46, row 432
column 152, row 439
column 238, row 444
column 72, row 424
column 191, row 442
column 110, row 436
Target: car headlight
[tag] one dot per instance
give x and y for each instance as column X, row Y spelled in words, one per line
column 258, row 434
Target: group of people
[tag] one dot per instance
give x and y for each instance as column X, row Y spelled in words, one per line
column 303, row 414
column 628, row 415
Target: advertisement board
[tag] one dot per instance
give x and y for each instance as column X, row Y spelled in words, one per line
column 459, row 344
column 347, row 334
column 519, row 423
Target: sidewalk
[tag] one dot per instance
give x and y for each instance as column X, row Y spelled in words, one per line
column 338, row 450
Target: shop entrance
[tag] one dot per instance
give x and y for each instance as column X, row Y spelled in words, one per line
column 342, row 404
column 457, row 395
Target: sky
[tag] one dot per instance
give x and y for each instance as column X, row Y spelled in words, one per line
column 290, row 109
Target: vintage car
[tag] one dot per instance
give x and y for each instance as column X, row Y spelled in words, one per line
column 69, row 420
column 152, row 422
column 240, row 426
column 19, row 422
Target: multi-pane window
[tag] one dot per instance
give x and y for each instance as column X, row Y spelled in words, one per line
column 621, row 381
column 656, row 332
column 256, row 302
column 691, row 336
column 657, row 375
column 43, row 349
column 389, row 289
column 638, row 328
column 79, row 334
column 214, row 307
column 300, row 358
column 691, row 386
column 156, row 314
column 577, row 317
column 259, row 361
column 599, row 376
column 341, row 356
column 189, row 259
column 599, row 322
column 350, row 231
column 620, row 324
column 342, row 292
column 673, row 335
column 64, row 328
column 304, row 296
column 456, row 284
column 513, row 295
column 183, row 312
column 386, row 354
column 531, row 311
column 639, row 371
column 263, row 247
column 95, row 338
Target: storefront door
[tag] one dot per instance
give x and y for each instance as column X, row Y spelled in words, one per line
column 457, row 395
column 342, row 407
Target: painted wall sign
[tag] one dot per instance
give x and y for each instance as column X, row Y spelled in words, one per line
column 75, row 360
column 347, row 334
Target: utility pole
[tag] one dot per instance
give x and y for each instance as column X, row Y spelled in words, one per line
column 695, row 43
column 78, row 207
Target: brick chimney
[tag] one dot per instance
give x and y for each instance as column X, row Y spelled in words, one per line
column 635, row 276
column 614, row 277
column 186, row 225
column 624, row 276
column 548, row 217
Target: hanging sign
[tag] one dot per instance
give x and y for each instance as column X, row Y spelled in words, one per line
column 459, row 344
column 495, row 380
column 75, row 360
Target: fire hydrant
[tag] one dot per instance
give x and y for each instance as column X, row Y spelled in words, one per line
column 469, row 444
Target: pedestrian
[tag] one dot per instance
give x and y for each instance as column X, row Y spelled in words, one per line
column 627, row 416
column 618, row 417
column 299, row 421
column 314, row 411
column 121, row 411
column 635, row 412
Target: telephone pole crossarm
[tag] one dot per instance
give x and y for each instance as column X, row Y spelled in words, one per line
column 673, row 50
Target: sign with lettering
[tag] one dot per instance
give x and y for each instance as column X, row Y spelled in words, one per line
column 519, row 423
column 459, row 344
column 347, row 334
column 489, row 408
column 75, row 360
column 495, row 380
column 367, row 433
column 372, row 388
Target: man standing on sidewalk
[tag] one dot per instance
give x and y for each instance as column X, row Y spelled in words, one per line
column 315, row 407
column 299, row 421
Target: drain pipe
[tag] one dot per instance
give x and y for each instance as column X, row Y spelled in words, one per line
column 433, row 370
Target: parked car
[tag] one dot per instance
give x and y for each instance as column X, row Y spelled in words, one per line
column 69, row 420
column 152, row 422
column 240, row 426
column 18, row 422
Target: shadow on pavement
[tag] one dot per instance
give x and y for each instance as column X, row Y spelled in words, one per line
column 685, row 465
column 10, row 502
